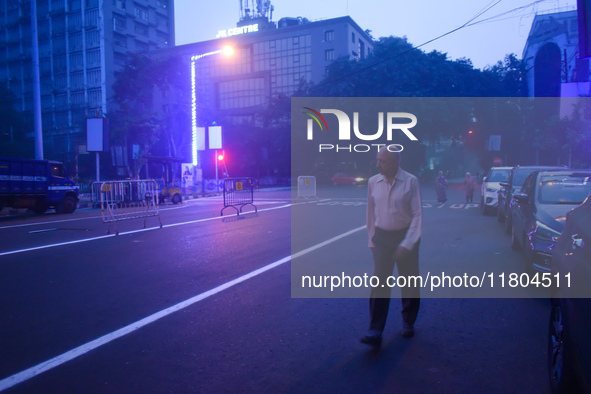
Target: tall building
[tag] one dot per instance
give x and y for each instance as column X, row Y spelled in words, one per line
column 82, row 45
column 269, row 60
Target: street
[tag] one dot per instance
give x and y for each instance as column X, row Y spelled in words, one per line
column 208, row 303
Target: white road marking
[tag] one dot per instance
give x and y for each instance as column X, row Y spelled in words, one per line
column 89, row 346
column 42, row 231
column 193, row 202
column 131, row 232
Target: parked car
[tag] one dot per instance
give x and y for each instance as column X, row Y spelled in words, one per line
column 569, row 342
column 539, row 210
column 511, row 185
column 491, row 184
column 343, row 178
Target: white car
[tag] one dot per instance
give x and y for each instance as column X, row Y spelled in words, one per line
column 491, row 184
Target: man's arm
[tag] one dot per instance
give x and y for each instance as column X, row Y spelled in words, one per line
column 416, row 205
column 370, row 214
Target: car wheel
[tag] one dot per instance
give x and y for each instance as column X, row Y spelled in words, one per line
column 514, row 242
column 176, row 199
column 500, row 216
column 67, row 205
column 508, row 223
column 560, row 369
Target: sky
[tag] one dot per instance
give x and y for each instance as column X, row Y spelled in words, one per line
column 501, row 26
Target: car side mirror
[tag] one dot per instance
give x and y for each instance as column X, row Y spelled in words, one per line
column 484, row 179
column 504, row 184
column 521, row 197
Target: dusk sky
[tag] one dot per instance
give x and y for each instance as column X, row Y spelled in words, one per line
column 502, row 28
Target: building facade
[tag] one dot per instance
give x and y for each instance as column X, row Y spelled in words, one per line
column 82, row 45
column 269, row 61
column 551, row 56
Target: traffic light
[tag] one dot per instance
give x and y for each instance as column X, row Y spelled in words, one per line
column 220, row 157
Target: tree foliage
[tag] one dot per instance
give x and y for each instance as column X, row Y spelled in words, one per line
column 136, row 121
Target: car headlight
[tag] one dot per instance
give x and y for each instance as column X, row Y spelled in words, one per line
column 359, row 179
column 545, row 231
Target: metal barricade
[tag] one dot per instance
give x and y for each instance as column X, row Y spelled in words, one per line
column 95, row 194
column 125, row 200
column 238, row 192
column 307, row 187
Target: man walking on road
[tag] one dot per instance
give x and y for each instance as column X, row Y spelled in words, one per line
column 394, row 217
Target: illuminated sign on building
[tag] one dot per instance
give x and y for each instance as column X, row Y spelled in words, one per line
column 237, row 30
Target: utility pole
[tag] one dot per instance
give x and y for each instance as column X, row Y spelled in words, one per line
column 36, row 84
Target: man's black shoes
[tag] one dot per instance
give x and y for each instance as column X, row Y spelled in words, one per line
column 408, row 330
column 373, row 338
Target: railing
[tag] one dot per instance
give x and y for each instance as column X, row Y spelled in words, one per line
column 307, row 187
column 126, row 200
column 238, row 192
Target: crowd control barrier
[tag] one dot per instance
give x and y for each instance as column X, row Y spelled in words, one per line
column 307, row 187
column 126, row 200
column 238, row 192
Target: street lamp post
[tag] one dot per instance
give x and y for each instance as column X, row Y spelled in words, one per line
column 228, row 50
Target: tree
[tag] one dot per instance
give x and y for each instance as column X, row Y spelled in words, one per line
column 135, row 122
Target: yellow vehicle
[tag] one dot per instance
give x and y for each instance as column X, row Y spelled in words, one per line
column 167, row 188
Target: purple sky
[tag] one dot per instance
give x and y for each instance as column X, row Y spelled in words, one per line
column 419, row 20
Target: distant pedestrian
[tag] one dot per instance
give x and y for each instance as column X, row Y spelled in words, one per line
column 440, row 187
column 469, row 186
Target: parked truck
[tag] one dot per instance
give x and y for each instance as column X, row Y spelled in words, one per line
column 37, row 185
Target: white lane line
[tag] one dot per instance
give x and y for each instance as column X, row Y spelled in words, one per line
column 48, row 222
column 201, row 201
column 87, row 347
column 130, row 232
column 42, row 231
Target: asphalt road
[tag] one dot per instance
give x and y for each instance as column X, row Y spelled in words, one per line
column 209, row 304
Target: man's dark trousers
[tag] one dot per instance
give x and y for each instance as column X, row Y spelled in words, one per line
column 385, row 243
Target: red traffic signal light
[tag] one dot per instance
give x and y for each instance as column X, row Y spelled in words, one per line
column 220, row 157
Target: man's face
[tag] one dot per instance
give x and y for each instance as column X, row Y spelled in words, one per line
column 387, row 163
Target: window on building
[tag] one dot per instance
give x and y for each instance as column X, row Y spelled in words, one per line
column 93, row 38
column 296, row 40
column 141, row 14
column 118, row 24
column 329, row 35
column 329, row 54
column 362, row 49
column 353, row 38
column 163, row 37
column 120, row 40
column 139, row 29
column 93, row 57
column 75, row 5
column 141, row 46
column 76, row 61
column 119, row 4
column 93, row 77
column 162, row 3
